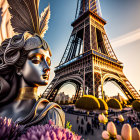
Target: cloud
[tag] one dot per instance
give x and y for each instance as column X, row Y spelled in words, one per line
column 126, row 39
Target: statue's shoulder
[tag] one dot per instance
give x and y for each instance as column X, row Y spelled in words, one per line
column 42, row 112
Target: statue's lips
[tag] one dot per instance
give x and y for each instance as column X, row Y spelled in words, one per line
column 45, row 76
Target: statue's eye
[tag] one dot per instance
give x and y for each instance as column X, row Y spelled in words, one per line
column 36, row 60
column 48, row 61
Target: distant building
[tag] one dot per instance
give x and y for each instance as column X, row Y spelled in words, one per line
column 118, row 97
column 62, row 97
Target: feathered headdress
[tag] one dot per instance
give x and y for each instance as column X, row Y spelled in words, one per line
column 6, row 30
column 25, row 17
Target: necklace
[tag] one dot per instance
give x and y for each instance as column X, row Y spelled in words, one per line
column 27, row 93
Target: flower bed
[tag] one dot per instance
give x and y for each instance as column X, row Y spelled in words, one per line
column 11, row 131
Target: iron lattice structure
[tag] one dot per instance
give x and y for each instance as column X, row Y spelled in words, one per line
column 89, row 60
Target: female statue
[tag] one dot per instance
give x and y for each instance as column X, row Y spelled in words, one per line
column 25, row 65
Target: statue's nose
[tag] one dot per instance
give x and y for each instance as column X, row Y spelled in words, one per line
column 46, row 67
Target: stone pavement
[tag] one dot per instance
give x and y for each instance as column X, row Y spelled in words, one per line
column 73, row 120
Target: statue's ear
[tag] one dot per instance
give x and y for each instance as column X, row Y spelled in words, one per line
column 19, row 71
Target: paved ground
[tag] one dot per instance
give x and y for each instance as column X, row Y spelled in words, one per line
column 97, row 132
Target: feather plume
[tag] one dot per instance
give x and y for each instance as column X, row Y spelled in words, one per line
column 25, row 15
column 6, row 30
column 44, row 19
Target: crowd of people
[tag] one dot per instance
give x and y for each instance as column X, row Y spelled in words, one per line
column 87, row 127
column 88, row 123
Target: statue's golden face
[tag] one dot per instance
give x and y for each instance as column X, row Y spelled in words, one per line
column 36, row 69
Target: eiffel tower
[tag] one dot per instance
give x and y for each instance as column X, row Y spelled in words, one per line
column 89, row 60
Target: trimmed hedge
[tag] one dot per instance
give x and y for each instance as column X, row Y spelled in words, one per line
column 103, row 104
column 114, row 103
column 88, row 102
column 136, row 105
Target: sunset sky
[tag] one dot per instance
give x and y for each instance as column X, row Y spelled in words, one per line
column 123, row 30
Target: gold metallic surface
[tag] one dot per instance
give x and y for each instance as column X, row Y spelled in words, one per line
column 27, row 93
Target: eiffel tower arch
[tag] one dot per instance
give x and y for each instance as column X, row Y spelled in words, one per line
column 89, row 60
column 60, row 81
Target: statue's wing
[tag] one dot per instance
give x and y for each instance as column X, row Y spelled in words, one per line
column 6, row 30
